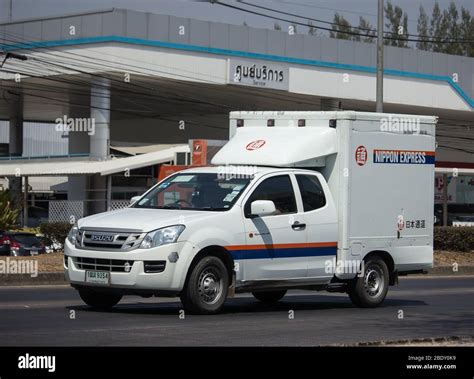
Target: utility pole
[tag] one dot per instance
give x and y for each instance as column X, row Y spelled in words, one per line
column 11, row 11
column 379, row 94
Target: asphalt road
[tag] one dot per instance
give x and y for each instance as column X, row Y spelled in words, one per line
column 432, row 307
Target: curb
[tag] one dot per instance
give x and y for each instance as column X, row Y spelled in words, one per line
column 428, row 341
column 43, row 278
column 448, row 271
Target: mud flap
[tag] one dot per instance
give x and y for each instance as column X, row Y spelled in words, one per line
column 231, row 292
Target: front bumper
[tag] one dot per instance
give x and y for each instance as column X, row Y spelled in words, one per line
column 170, row 280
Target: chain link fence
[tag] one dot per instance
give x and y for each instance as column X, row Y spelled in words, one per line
column 67, row 210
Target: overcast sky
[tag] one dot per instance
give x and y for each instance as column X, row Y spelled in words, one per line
column 320, row 9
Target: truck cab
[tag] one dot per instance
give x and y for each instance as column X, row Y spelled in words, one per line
column 273, row 213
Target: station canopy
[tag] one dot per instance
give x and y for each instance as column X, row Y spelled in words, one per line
column 86, row 166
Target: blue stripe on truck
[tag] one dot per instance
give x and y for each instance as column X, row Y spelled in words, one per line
column 271, row 253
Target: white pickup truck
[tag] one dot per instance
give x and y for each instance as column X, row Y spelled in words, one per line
column 337, row 201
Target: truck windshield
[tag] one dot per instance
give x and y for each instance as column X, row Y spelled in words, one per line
column 199, row 191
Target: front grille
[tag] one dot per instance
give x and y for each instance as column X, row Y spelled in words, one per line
column 108, row 240
column 99, row 264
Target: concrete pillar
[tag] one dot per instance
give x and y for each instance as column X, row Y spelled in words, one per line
column 95, row 142
column 25, row 203
column 15, row 145
column 78, row 144
column 97, row 194
column 99, row 141
column 100, row 116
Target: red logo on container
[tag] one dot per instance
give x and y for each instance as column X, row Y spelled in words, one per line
column 400, row 223
column 254, row 145
column 361, row 155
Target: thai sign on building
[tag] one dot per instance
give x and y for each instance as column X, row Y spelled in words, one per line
column 258, row 74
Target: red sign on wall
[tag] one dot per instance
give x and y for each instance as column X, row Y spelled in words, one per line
column 199, row 157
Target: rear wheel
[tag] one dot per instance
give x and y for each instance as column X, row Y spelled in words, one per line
column 99, row 300
column 269, row 296
column 206, row 289
column 370, row 289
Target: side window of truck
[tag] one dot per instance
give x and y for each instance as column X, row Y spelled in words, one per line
column 312, row 192
column 277, row 189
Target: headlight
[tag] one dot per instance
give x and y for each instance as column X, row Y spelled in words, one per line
column 73, row 234
column 162, row 236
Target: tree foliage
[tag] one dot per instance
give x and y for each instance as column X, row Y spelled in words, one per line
column 341, row 28
column 449, row 30
column 8, row 213
column 397, row 25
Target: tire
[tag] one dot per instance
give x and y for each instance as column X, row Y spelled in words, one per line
column 206, row 288
column 369, row 290
column 99, row 300
column 269, row 297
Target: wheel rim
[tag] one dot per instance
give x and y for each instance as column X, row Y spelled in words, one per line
column 210, row 285
column 374, row 281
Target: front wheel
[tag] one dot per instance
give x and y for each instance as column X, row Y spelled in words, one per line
column 98, row 299
column 269, row 296
column 206, row 289
column 369, row 290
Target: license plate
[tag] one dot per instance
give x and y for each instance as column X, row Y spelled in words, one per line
column 97, row 277
column 34, row 252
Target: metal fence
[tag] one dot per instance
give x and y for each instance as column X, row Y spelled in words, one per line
column 65, row 210
column 119, row 204
column 69, row 211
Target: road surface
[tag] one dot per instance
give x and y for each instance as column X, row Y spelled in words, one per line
column 420, row 307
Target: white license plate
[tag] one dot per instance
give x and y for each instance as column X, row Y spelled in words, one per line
column 34, row 252
column 97, row 277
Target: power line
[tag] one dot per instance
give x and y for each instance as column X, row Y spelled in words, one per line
column 286, row 20
column 307, row 18
column 332, row 9
column 405, row 37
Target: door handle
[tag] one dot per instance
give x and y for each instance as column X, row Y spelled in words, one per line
column 298, row 225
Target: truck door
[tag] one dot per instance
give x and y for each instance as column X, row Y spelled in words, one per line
column 321, row 225
column 276, row 243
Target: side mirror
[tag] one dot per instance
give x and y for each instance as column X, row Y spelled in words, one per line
column 134, row 199
column 260, row 208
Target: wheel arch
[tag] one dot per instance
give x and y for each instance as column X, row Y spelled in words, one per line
column 216, row 251
column 388, row 259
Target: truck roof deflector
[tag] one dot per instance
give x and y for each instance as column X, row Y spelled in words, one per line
column 281, row 147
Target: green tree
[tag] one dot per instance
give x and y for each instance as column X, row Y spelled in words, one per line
column 9, row 214
column 467, row 32
column 453, row 31
column 312, row 31
column 423, row 31
column 340, row 28
column 437, row 29
column 367, row 30
column 397, row 25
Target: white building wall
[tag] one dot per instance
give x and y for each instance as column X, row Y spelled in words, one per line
column 39, row 139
